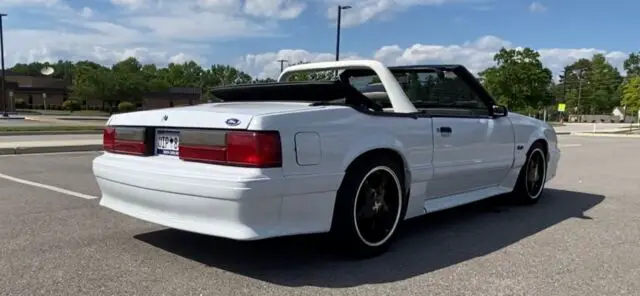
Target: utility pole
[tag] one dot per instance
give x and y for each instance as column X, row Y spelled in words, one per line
column 340, row 9
column 3, row 90
column 564, row 86
column 564, row 93
column 579, row 95
column 578, row 73
column 282, row 64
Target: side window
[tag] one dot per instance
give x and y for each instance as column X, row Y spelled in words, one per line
column 452, row 95
column 429, row 91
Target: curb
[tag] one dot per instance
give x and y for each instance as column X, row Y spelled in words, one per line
column 50, row 149
column 609, row 135
column 44, row 133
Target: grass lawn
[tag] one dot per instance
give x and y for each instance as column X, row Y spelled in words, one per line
column 63, row 112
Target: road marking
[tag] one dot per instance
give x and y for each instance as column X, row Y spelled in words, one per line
column 48, row 187
column 569, row 145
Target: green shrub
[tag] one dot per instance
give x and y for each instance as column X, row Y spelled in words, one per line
column 126, row 107
column 71, row 105
column 19, row 103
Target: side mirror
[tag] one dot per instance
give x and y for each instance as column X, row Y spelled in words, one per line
column 499, row 110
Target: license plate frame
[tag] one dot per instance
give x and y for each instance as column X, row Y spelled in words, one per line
column 167, row 142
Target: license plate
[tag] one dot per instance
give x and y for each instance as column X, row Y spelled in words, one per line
column 167, row 142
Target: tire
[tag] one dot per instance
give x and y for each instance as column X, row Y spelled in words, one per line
column 350, row 226
column 530, row 193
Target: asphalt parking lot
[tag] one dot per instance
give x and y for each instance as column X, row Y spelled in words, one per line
column 581, row 239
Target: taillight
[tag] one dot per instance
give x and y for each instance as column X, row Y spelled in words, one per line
column 127, row 140
column 240, row 148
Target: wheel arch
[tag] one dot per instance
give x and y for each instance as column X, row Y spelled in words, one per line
column 392, row 154
column 545, row 147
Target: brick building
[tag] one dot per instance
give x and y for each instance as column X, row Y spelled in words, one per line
column 34, row 92
column 173, row 97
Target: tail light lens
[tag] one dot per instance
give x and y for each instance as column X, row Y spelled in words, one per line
column 240, row 148
column 126, row 140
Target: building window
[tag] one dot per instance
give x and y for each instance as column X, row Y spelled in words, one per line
column 30, row 100
column 171, row 103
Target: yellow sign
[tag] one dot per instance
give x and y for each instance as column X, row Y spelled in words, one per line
column 561, row 107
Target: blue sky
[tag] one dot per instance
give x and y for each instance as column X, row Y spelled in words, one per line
column 253, row 34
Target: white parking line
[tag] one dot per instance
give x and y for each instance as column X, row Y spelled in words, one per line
column 569, row 145
column 48, row 187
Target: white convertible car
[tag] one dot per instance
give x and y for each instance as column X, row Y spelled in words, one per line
column 352, row 157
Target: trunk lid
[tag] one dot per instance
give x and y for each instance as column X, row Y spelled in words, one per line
column 214, row 115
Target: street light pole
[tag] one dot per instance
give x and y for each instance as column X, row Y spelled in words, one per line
column 4, row 94
column 340, row 9
column 282, row 61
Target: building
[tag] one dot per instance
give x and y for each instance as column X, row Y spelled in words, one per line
column 173, row 97
column 43, row 92
column 34, row 92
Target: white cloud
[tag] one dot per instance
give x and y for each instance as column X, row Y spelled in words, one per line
column 157, row 31
column 283, row 9
column 537, row 7
column 366, row 10
column 29, row 2
column 161, row 30
column 86, row 12
column 267, row 65
column 476, row 55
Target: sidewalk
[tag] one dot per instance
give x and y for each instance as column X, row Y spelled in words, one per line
column 27, row 147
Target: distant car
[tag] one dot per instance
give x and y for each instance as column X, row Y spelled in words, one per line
column 312, row 157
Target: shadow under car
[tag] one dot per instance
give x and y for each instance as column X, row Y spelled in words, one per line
column 425, row 244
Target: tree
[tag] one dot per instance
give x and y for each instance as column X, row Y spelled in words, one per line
column 632, row 64
column 129, row 80
column 519, row 80
column 631, row 94
column 604, row 81
column 91, row 82
column 592, row 86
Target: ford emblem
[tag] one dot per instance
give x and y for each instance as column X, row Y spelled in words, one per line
column 165, row 117
column 232, row 121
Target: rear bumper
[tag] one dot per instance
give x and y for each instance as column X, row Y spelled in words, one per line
column 236, row 203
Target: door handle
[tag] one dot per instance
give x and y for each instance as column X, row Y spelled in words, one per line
column 444, row 130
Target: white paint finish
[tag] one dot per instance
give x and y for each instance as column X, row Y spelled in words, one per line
column 47, row 187
column 233, row 202
column 528, row 130
column 308, row 150
column 415, row 205
column 552, row 162
column 249, row 203
column 447, row 202
column 477, row 153
column 397, row 97
column 237, row 219
column 213, row 115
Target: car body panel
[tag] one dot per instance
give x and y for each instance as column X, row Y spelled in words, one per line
column 481, row 158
